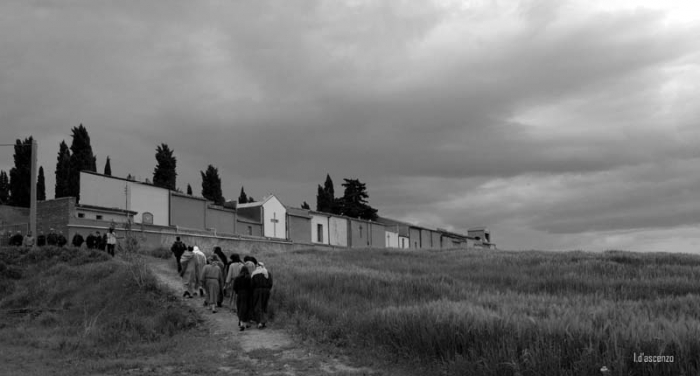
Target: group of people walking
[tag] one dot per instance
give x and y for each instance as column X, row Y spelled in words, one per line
column 107, row 242
column 53, row 239
column 217, row 276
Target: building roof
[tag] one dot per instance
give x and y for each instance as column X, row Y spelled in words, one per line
column 315, row 212
column 103, row 209
column 180, row 194
column 478, row 229
column 298, row 212
column 242, row 218
column 258, row 203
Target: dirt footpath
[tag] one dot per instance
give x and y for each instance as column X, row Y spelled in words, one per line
column 269, row 351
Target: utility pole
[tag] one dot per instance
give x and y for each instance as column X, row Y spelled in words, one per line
column 32, row 199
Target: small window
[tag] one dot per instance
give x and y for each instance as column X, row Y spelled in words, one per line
column 99, row 217
column 250, row 230
column 81, row 215
column 319, row 233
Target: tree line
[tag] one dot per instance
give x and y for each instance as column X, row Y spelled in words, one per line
column 353, row 203
column 15, row 188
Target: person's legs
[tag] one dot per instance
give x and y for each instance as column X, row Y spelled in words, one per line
column 264, row 300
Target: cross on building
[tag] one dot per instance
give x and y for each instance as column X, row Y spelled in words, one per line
column 274, row 221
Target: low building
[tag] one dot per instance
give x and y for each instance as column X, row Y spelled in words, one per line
column 151, row 203
column 482, row 237
column 270, row 212
column 331, row 229
column 298, row 225
column 392, row 236
column 248, row 226
column 401, row 228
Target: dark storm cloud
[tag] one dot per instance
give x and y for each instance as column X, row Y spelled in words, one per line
column 431, row 104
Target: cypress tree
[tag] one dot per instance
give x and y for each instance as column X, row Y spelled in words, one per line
column 211, row 185
column 41, row 185
column 62, row 171
column 81, row 158
column 325, row 197
column 164, row 175
column 20, row 175
column 4, row 188
column 306, row 206
column 242, row 198
column 189, row 189
column 108, row 167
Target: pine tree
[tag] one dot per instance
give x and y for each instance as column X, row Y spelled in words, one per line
column 108, row 167
column 4, row 188
column 306, row 206
column 20, row 175
column 164, row 175
column 81, row 158
column 251, row 199
column 211, row 185
column 242, row 198
column 354, row 201
column 189, row 189
column 62, row 171
column 41, row 185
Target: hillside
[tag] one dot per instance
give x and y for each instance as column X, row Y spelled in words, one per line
column 351, row 312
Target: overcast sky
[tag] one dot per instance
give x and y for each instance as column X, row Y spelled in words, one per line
column 558, row 125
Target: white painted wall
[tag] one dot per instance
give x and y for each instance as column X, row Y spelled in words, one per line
column 392, row 239
column 338, row 231
column 317, row 219
column 109, row 192
column 147, row 198
column 273, row 209
column 102, row 191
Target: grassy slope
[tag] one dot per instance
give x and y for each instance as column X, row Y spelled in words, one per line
column 74, row 312
column 498, row 313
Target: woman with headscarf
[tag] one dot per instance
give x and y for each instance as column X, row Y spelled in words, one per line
column 213, row 277
column 242, row 289
column 261, row 283
column 201, row 260
column 216, row 261
column 189, row 272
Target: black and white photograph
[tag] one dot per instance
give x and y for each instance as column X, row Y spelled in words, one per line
column 350, row 187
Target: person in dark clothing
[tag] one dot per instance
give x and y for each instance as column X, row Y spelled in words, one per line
column 61, row 240
column 98, row 241
column 242, row 289
column 103, row 242
column 90, row 241
column 178, row 248
column 52, row 238
column 77, row 240
column 41, row 239
column 17, row 239
column 261, row 283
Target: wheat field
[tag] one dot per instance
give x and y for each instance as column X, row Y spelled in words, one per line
column 481, row 312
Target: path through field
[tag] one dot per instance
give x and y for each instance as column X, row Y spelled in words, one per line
column 269, row 351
